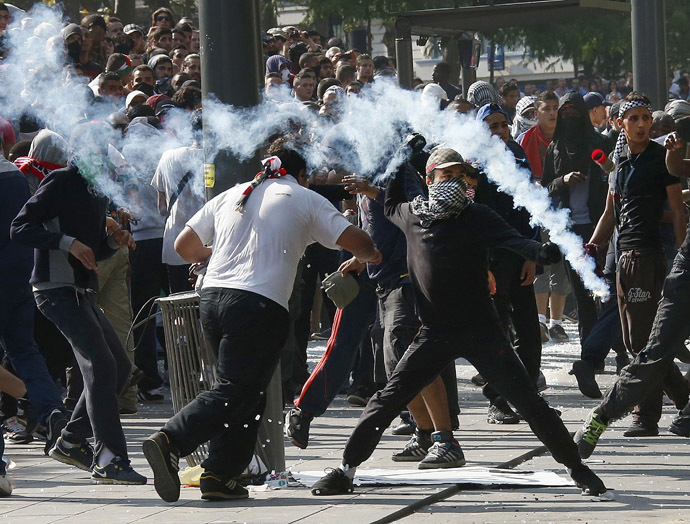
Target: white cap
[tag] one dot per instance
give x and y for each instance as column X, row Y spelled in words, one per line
column 431, row 95
column 132, row 96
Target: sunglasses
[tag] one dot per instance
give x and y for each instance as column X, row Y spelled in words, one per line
column 163, row 18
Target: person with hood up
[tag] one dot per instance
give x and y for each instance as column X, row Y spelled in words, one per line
column 65, row 221
column 577, row 183
column 525, row 116
column 48, row 152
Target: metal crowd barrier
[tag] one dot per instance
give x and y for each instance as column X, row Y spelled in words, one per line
column 191, row 367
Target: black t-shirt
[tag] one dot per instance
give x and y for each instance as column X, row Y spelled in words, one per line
column 641, row 185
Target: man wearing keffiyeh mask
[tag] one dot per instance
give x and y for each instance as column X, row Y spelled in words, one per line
column 635, row 207
column 445, row 236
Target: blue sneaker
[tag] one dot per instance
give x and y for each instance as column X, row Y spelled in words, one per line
column 80, row 456
column 117, row 471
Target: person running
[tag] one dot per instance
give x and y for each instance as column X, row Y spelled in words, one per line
column 446, row 232
column 258, row 231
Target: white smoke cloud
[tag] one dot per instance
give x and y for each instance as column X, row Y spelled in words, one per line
column 366, row 136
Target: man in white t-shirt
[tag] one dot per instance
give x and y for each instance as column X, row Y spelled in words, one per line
column 252, row 263
column 179, row 182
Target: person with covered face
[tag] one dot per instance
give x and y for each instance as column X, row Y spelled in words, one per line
column 634, row 208
column 444, row 232
column 577, row 183
column 65, row 222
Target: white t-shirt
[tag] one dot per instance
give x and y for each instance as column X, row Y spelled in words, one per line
column 172, row 167
column 258, row 250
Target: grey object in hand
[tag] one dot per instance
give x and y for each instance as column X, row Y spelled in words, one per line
column 340, row 289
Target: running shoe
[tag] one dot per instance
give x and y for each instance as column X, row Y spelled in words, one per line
column 641, row 429
column 478, row 380
column 680, row 425
column 164, row 460
column 80, row 456
column 416, row 448
column 587, row 481
column 541, row 383
column 558, row 334
column 445, row 452
column 406, row 427
column 56, row 422
column 16, row 432
column 586, row 381
column 152, row 396
column 501, row 413
column 218, row 487
column 335, row 482
column 360, row 396
column 117, row 471
column 588, row 435
column 297, row 427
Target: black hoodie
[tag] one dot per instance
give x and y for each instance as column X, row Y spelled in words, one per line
column 580, row 144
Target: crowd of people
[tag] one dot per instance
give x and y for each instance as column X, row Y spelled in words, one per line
column 102, row 210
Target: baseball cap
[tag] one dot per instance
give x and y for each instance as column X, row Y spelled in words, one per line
column 277, row 32
column 444, row 157
column 594, row 99
column 615, row 109
column 677, row 109
column 133, row 28
column 134, row 94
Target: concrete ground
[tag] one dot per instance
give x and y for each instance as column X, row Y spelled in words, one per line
column 649, row 477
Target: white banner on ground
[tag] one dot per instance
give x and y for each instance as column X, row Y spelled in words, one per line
column 468, row 475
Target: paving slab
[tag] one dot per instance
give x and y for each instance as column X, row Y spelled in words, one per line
column 650, row 477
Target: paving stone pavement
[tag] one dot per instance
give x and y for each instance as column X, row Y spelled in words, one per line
column 650, row 477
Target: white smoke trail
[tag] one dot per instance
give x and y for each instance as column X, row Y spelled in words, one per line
column 368, row 132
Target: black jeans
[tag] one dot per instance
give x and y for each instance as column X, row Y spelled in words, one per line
column 488, row 349
column 516, row 305
column 178, row 278
column 586, row 307
column 103, row 362
column 651, row 366
column 149, row 277
column 246, row 332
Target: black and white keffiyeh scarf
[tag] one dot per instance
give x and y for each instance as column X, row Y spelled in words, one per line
column 446, row 199
column 621, row 148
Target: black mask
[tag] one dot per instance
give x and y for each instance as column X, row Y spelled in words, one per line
column 74, row 50
column 571, row 126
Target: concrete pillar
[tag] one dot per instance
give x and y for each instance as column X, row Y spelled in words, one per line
column 649, row 50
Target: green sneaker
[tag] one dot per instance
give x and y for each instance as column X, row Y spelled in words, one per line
column 588, row 435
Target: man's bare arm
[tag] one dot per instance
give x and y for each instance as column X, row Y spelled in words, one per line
column 189, row 246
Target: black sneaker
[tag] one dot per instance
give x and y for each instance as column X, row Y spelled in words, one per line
column 117, row 471
column 541, row 383
column 164, row 460
column 297, row 427
column 335, row 482
column 501, row 413
column 406, row 427
column 360, row 396
column 586, row 381
column 641, row 429
column 80, row 456
column 415, row 449
column 445, row 452
column 56, row 422
column 323, row 335
column 587, row 481
column 218, row 487
column 152, row 396
column 558, row 334
column 680, row 425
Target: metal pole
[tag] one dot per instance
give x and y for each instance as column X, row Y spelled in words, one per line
column 649, row 50
column 469, row 77
column 232, row 71
column 229, row 35
column 403, row 52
